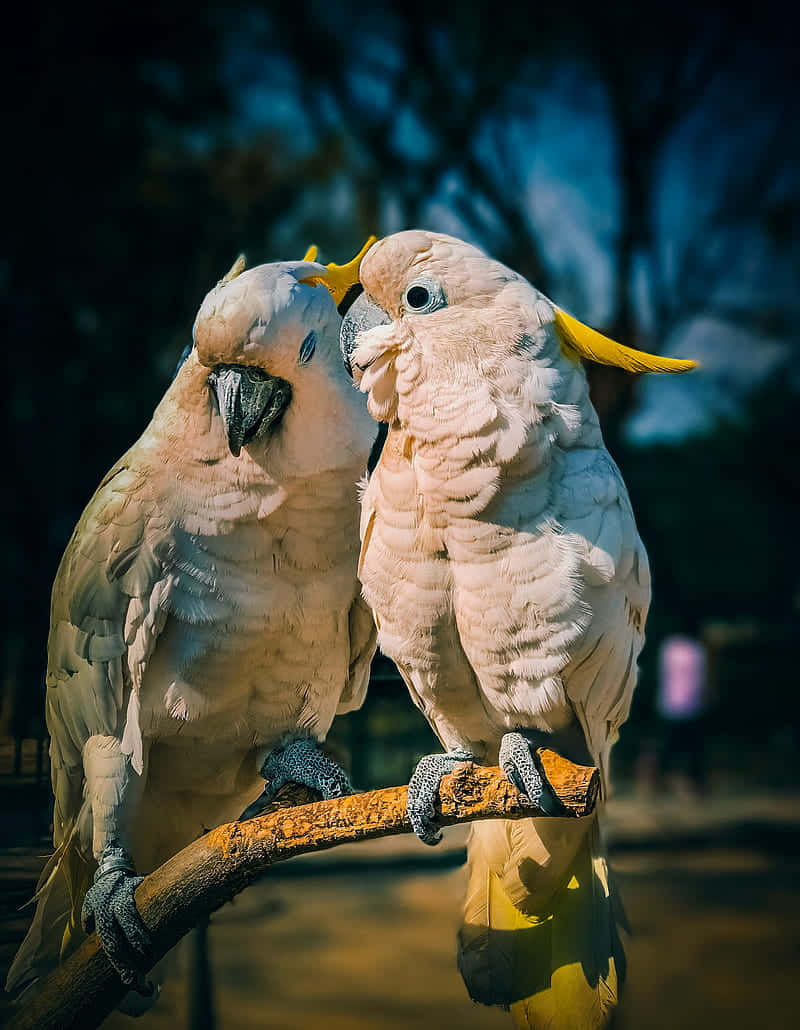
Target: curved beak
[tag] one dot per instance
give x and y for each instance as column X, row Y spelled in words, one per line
column 251, row 402
column 363, row 314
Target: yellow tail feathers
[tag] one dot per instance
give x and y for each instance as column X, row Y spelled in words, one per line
column 579, row 341
column 55, row 930
column 551, row 954
column 78, row 873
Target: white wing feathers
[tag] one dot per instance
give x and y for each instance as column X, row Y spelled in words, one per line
column 109, row 606
column 363, row 641
column 596, row 514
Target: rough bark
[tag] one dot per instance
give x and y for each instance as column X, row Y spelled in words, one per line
column 211, row 870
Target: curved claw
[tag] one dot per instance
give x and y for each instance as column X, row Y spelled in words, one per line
column 110, row 909
column 423, row 792
column 519, row 762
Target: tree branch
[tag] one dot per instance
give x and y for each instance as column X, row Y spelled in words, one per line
column 198, row 880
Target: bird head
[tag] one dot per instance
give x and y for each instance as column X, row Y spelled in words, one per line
column 436, row 307
column 261, row 330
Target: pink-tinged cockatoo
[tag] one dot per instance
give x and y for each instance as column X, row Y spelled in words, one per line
column 502, row 562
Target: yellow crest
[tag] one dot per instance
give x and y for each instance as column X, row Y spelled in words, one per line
column 236, row 268
column 579, row 341
column 339, row 278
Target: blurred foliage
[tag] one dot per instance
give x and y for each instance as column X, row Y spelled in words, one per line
column 724, row 508
column 149, row 146
column 718, row 514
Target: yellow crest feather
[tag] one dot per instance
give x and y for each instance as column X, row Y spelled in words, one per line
column 579, row 341
column 236, row 268
column 340, row 278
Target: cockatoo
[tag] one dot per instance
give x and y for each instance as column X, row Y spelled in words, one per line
column 501, row 560
column 206, row 620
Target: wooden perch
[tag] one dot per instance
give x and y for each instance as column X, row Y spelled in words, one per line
column 198, row 880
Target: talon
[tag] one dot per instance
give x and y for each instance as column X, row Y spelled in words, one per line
column 110, row 910
column 423, row 792
column 520, row 763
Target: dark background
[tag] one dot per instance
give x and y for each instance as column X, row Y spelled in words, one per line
column 638, row 162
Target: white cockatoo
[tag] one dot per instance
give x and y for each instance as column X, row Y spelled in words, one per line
column 502, row 563
column 206, row 620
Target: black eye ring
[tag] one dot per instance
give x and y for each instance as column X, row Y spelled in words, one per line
column 417, row 297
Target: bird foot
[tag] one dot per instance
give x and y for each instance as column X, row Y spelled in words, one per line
column 423, row 792
column 520, row 763
column 109, row 909
column 303, row 762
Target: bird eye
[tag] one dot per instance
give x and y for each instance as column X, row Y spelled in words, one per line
column 417, row 297
column 424, row 295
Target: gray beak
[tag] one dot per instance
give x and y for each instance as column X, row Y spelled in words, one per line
column 250, row 402
column 363, row 314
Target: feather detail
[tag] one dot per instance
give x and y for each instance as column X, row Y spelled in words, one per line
column 540, row 924
column 579, row 341
column 363, row 641
column 56, row 929
column 132, row 734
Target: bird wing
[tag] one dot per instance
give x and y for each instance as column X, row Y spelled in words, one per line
column 109, row 606
column 363, row 643
column 363, row 630
column 596, row 516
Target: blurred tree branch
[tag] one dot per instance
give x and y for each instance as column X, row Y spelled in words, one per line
column 455, row 78
column 656, row 71
column 82, row 991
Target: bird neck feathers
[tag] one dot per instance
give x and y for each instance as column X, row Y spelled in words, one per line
column 462, row 433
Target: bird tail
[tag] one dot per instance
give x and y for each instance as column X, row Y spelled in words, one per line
column 56, row 927
column 540, row 933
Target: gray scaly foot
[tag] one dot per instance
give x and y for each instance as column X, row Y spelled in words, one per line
column 519, row 762
column 423, row 792
column 300, row 762
column 110, row 909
